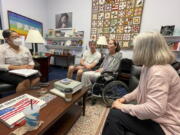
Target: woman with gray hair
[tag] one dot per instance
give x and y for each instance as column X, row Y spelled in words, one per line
column 157, row 111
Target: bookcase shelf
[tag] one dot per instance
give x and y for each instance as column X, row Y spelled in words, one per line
column 171, row 39
column 76, row 48
column 63, row 38
column 63, row 48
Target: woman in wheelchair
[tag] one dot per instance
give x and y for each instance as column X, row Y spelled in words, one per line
column 110, row 63
column 157, row 111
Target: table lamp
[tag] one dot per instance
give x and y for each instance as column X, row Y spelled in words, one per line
column 102, row 42
column 1, row 37
column 35, row 38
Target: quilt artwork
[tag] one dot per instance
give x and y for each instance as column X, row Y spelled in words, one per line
column 116, row 19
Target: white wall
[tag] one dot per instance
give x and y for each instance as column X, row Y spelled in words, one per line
column 160, row 12
column 81, row 14
column 34, row 9
column 156, row 13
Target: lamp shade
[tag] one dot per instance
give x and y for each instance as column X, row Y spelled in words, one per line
column 1, row 36
column 34, row 36
column 102, row 41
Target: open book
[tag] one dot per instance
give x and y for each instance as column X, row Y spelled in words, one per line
column 24, row 72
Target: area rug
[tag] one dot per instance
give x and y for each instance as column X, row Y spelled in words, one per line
column 92, row 123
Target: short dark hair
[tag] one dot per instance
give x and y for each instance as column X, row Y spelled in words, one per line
column 7, row 33
column 116, row 43
column 92, row 42
column 65, row 14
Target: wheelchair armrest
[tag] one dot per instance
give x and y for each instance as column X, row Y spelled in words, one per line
column 109, row 73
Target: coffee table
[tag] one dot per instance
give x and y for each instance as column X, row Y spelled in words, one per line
column 58, row 115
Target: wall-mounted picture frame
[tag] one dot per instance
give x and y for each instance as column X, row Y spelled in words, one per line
column 64, row 20
column 167, row 30
column 22, row 24
column 51, row 33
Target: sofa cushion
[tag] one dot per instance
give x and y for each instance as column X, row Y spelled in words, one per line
column 6, row 89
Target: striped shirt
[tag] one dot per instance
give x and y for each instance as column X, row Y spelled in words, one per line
column 8, row 56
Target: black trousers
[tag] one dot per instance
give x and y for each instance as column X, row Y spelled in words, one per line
column 120, row 123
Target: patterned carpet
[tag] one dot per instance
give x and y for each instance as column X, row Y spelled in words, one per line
column 92, row 123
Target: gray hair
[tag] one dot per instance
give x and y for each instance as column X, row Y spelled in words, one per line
column 151, row 49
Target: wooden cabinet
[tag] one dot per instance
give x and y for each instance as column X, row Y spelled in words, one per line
column 44, row 67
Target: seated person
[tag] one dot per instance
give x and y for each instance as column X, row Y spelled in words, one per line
column 88, row 61
column 13, row 55
column 110, row 63
column 157, row 111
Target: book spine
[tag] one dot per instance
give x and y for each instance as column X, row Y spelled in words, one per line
column 59, row 87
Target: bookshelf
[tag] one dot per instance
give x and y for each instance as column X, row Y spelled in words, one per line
column 171, row 40
column 65, row 49
column 61, row 44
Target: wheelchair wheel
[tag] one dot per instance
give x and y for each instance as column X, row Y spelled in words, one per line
column 113, row 91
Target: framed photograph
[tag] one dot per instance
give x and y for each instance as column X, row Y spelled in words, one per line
column 51, row 33
column 22, row 24
column 167, row 30
column 58, row 33
column 64, row 21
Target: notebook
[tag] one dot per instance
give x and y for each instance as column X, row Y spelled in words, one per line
column 24, row 72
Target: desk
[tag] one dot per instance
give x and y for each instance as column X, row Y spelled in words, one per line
column 68, row 59
column 44, row 67
column 58, row 115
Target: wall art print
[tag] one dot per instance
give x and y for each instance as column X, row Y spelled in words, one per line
column 22, row 24
column 118, row 19
column 64, row 20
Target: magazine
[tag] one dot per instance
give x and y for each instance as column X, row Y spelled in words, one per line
column 11, row 111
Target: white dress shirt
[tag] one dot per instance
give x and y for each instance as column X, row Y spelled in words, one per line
column 8, row 56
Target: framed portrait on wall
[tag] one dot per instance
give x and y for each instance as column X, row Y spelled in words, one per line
column 167, row 30
column 22, row 24
column 64, row 20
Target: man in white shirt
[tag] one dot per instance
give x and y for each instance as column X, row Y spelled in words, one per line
column 88, row 61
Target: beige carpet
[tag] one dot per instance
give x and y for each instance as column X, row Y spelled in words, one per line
column 92, row 123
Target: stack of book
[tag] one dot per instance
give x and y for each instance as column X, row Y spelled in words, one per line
column 11, row 112
column 61, row 85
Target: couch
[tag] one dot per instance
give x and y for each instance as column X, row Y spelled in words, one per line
column 8, row 89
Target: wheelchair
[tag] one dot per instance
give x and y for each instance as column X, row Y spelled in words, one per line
column 112, row 85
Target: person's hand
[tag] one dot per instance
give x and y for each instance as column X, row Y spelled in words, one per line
column 118, row 103
column 121, row 100
column 79, row 67
column 12, row 67
column 28, row 66
column 87, row 66
column 99, row 70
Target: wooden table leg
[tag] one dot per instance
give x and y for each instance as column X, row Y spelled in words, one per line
column 84, row 103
